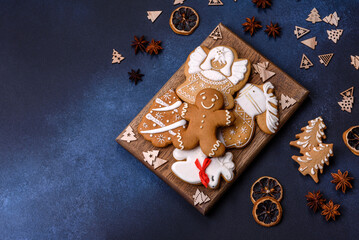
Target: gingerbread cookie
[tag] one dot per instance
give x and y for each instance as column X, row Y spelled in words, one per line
column 204, row 118
column 218, row 68
column 253, row 102
column 198, row 168
column 163, row 120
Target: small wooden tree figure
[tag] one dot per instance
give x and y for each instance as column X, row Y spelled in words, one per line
column 311, row 135
column 116, row 57
column 215, row 3
column 334, row 34
column 128, row 135
column 286, row 101
column 314, row 16
column 216, row 33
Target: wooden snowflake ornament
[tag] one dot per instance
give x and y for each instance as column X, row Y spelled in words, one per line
column 314, row 16
column 116, row 57
column 215, row 3
column 305, row 63
column 128, row 135
column 310, row 42
column 153, row 15
column 286, row 101
column 332, row 19
column 300, row 32
column 178, row 2
column 200, row 198
column 355, row 61
column 264, row 74
column 325, row 58
column 216, row 33
column 334, row 34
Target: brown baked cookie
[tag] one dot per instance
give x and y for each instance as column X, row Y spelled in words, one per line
column 253, row 102
column 163, row 120
column 218, row 68
column 204, row 117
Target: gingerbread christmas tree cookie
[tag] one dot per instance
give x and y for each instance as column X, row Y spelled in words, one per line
column 163, row 120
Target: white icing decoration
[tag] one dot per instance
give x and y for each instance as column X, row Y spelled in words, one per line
column 238, row 70
column 215, row 148
column 206, row 106
column 188, row 172
column 184, row 109
column 220, row 54
column 254, row 101
column 228, row 118
column 167, row 128
column 156, row 121
column 196, row 58
column 169, row 107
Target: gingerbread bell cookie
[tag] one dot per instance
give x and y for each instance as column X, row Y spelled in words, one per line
column 253, row 102
column 218, row 68
column 204, row 117
column 163, row 120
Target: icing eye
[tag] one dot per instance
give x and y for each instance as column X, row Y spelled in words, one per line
column 213, row 99
column 204, row 97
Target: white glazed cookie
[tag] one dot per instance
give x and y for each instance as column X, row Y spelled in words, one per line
column 253, row 102
column 218, row 68
column 189, row 172
column 161, row 124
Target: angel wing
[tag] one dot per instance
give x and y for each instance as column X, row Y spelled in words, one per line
column 195, row 60
column 239, row 68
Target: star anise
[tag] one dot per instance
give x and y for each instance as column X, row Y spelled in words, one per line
column 251, row 25
column 315, row 200
column 154, row 47
column 139, row 44
column 135, row 76
column 330, row 210
column 342, row 180
column 273, row 30
column 262, row 3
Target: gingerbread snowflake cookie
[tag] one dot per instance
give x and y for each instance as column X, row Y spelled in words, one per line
column 253, row 102
column 204, row 117
column 194, row 167
column 218, row 68
column 163, row 120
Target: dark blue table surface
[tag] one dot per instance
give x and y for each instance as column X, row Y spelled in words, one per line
column 62, row 104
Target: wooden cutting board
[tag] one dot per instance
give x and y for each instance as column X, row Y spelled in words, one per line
column 242, row 157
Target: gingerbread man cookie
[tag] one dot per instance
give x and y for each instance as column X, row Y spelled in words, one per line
column 218, row 68
column 163, row 120
column 253, row 102
column 204, row 118
column 197, row 168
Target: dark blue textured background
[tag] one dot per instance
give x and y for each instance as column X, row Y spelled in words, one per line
column 62, row 104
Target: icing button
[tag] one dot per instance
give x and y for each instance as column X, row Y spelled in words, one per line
column 201, row 127
column 202, row 121
column 204, row 116
column 169, row 139
column 151, row 135
column 154, row 124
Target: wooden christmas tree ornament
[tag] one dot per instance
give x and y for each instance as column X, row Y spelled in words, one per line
column 348, row 93
column 310, row 42
column 116, row 57
column 150, row 156
column 215, row 3
column 128, row 135
column 286, row 101
column 305, row 63
column 300, row 32
column 314, row 16
column 159, row 162
column 325, row 58
column 200, row 198
column 216, row 33
column 355, row 61
column 348, row 99
column 334, row 34
column 153, row 15
column 264, row 74
column 332, row 19
column 178, row 2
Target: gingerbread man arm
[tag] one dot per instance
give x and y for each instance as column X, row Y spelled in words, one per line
column 186, row 111
column 224, row 117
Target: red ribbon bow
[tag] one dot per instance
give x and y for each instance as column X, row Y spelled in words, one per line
column 202, row 170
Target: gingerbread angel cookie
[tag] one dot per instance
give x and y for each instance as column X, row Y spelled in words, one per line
column 253, row 102
column 204, row 117
column 198, row 168
column 163, row 120
column 218, row 68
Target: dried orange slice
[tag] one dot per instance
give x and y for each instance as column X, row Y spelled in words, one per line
column 184, row 20
column 266, row 186
column 267, row 212
column 351, row 139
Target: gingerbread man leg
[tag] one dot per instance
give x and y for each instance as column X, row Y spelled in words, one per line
column 212, row 147
column 185, row 140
